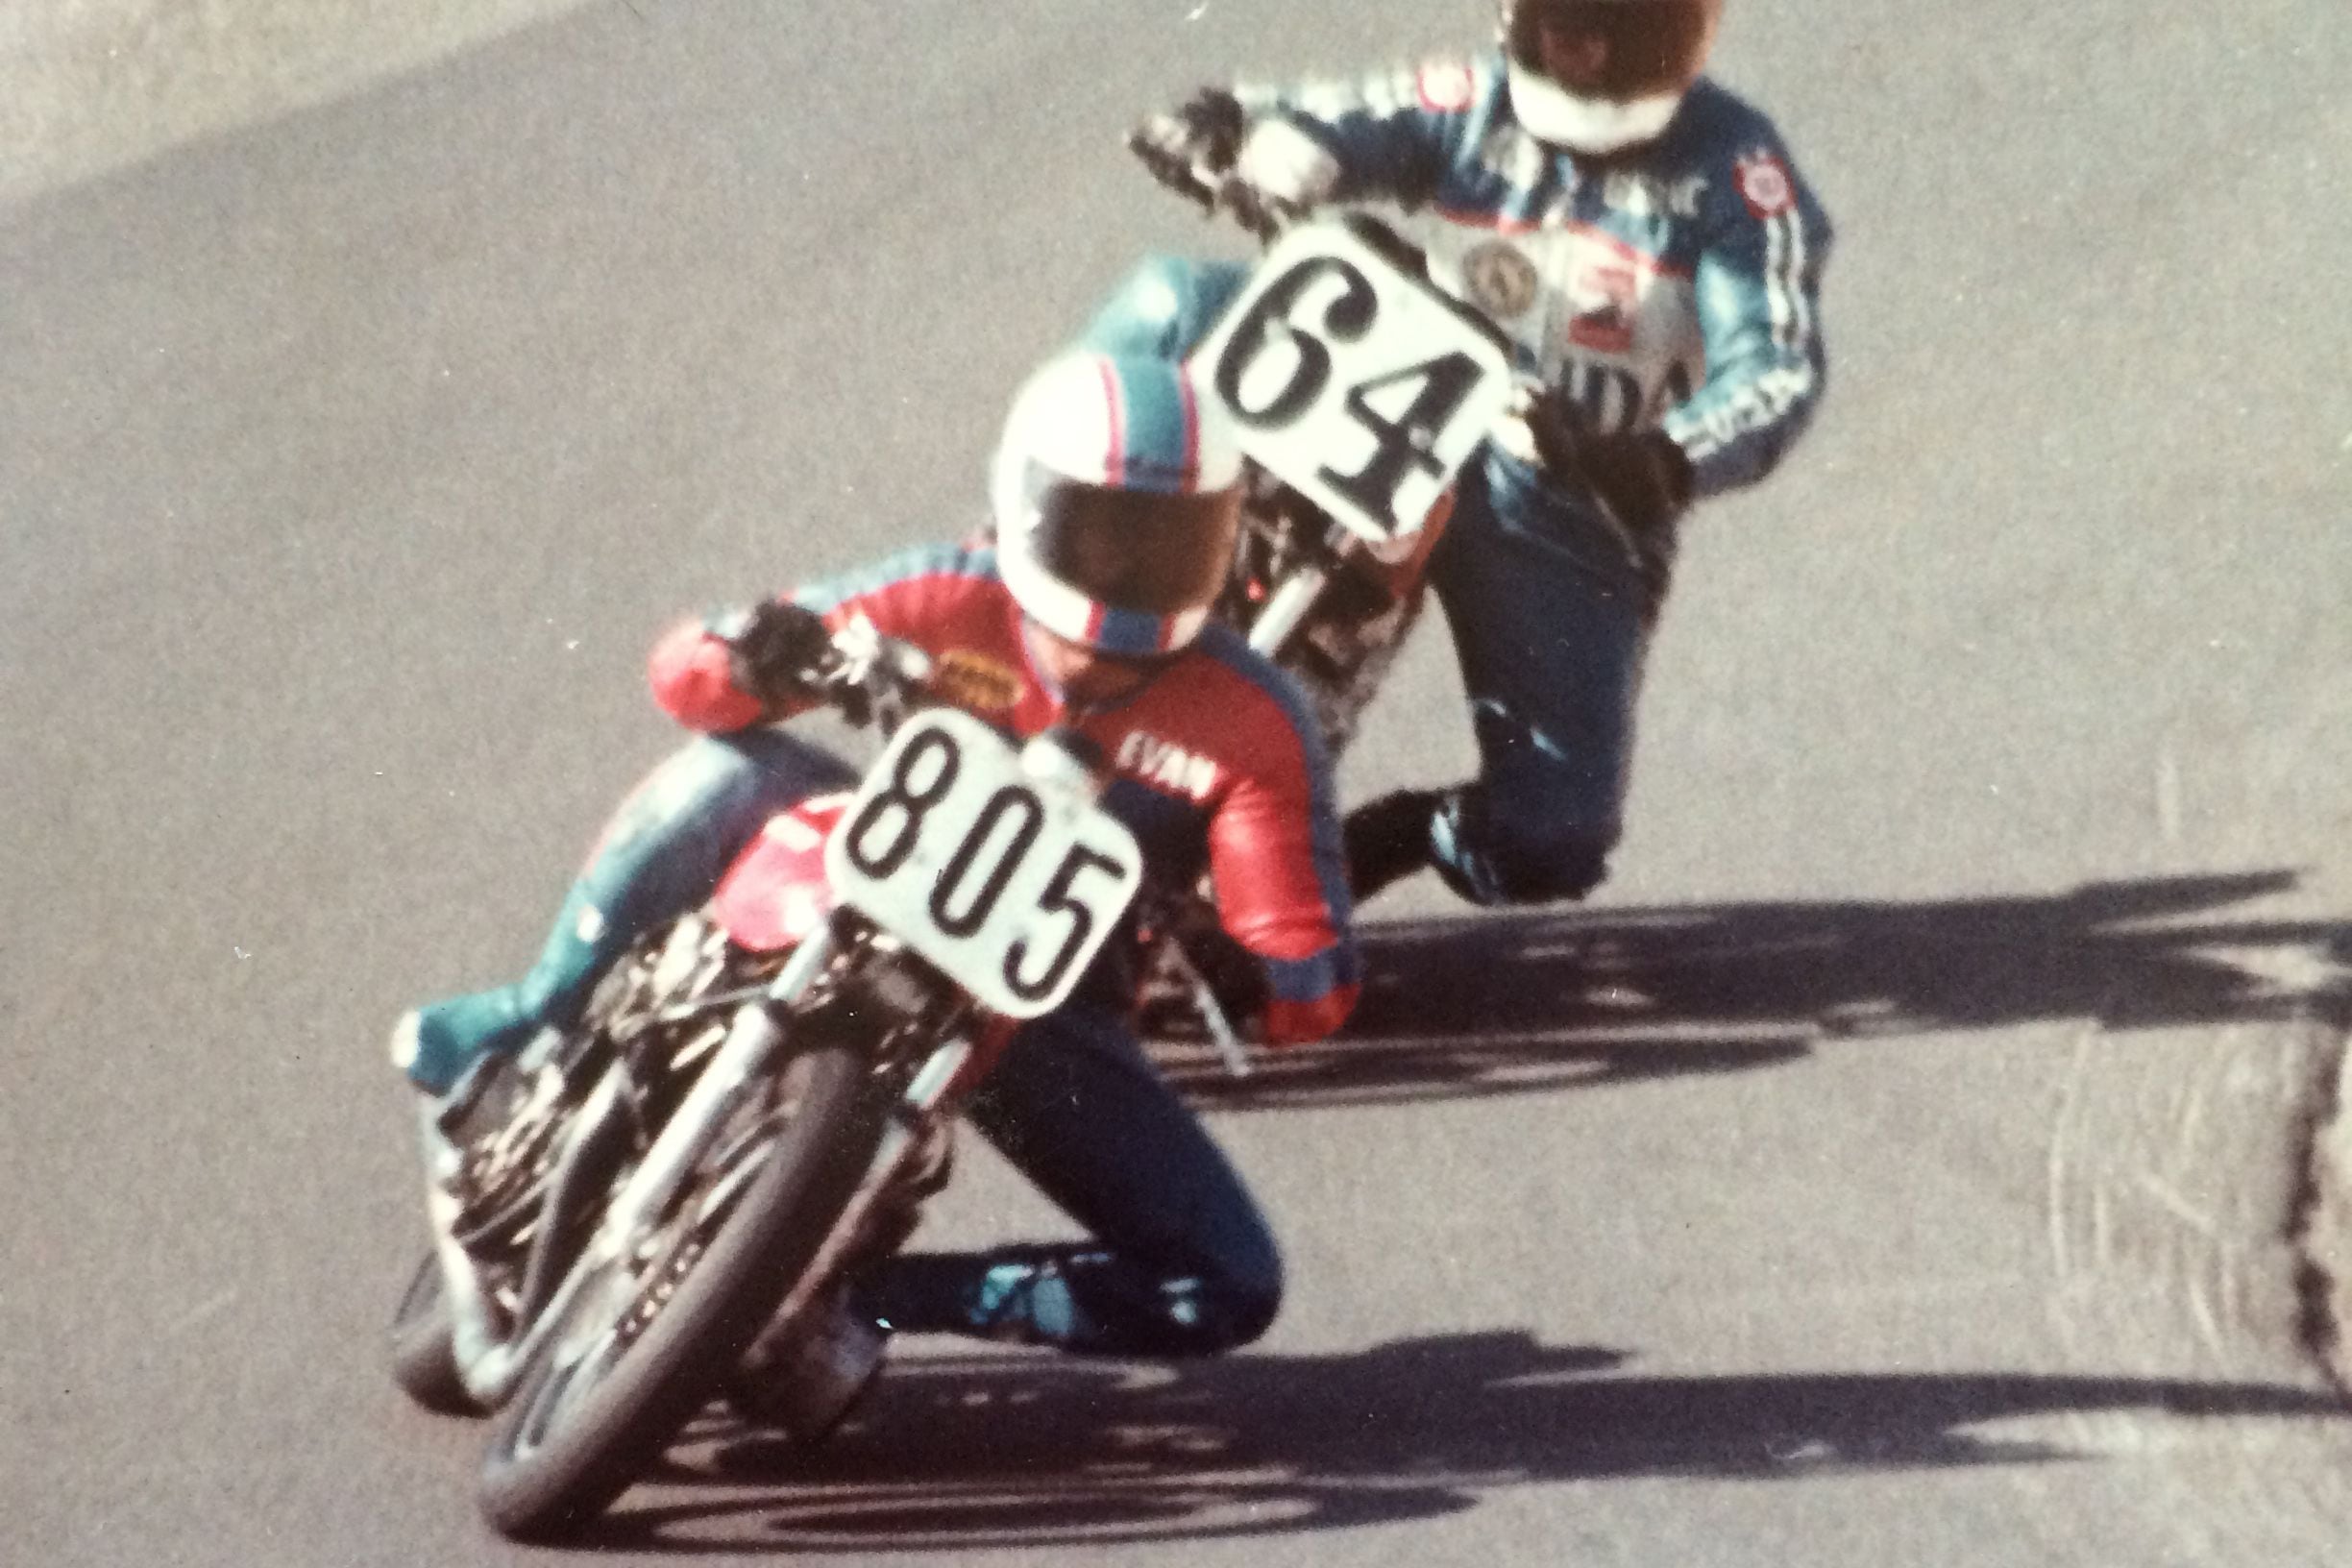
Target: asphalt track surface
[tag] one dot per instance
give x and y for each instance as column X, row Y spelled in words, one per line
column 1890, row 1166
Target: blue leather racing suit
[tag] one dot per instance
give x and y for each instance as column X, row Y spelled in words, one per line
column 1673, row 287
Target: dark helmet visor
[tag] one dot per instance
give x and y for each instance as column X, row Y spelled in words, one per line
column 1132, row 550
column 1621, row 50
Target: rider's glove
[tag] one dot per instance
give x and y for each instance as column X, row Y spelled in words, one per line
column 1202, row 136
column 1645, row 481
column 774, row 648
column 1235, row 976
column 1263, row 175
column 1640, row 477
column 1286, row 168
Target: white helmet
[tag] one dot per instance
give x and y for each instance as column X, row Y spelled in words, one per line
column 1600, row 76
column 1117, row 493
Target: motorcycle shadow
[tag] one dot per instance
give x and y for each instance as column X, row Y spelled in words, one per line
column 967, row 1452
column 1525, row 1003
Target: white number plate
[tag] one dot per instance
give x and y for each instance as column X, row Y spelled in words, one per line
column 1006, row 883
column 1353, row 382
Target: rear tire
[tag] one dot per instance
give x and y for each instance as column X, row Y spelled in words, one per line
column 423, row 1359
column 629, row 1367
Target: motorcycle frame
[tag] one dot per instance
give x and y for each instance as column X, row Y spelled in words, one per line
column 491, row 1365
column 882, row 676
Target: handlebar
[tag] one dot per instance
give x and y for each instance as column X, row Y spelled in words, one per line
column 1267, row 218
column 870, row 678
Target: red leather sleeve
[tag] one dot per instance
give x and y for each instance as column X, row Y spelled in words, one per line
column 1281, row 893
column 909, row 596
column 693, row 681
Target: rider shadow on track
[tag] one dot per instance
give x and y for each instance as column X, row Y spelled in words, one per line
column 1524, row 1003
column 1032, row 1450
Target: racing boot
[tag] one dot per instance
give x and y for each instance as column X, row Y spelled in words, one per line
column 1071, row 1296
column 454, row 1053
column 438, row 1045
column 448, row 1051
column 486, row 1141
column 807, row 1382
column 1388, row 839
column 661, row 854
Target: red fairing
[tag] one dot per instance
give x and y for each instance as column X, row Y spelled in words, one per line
column 694, row 681
column 775, row 894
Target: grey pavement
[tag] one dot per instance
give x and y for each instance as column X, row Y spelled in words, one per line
column 1892, row 1164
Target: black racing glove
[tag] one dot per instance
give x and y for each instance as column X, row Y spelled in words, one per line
column 775, row 648
column 1640, row 477
column 1200, row 136
column 1235, row 976
column 1192, row 151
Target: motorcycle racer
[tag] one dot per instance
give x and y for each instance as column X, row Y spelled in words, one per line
column 1642, row 238
column 1114, row 500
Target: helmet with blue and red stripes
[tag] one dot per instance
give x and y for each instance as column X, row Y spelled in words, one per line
column 1116, row 492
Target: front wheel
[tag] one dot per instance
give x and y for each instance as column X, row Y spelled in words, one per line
column 644, row 1347
column 424, row 1358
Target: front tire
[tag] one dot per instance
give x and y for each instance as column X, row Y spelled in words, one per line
column 423, row 1359
column 645, row 1347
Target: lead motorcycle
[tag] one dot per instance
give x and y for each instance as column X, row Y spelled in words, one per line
column 628, row 1213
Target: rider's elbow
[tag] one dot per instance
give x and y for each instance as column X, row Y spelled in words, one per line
column 692, row 677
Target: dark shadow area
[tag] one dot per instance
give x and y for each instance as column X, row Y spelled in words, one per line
column 1031, row 1450
column 1530, row 1002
